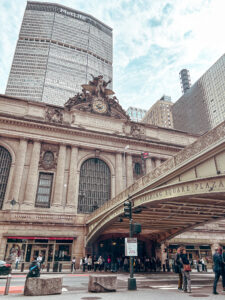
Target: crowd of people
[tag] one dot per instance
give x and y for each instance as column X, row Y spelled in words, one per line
column 145, row 264
column 181, row 265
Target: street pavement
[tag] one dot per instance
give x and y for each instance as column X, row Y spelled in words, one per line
column 153, row 286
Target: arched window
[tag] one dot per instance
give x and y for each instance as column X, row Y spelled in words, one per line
column 5, row 165
column 94, row 186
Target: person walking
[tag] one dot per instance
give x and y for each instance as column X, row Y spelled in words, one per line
column 217, row 267
column 185, row 269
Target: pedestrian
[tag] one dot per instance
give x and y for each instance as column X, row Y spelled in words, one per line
column 185, row 269
column 74, row 264
column 217, row 268
column 34, row 268
column 81, row 263
column 17, row 261
column 164, row 258
column 223, row 270
column 89, row 263
column 125, row 264
column 40, row 260
column 177, row 268
column 109, row 262
column 203, row 264
column 158, row 264
column 100, row 263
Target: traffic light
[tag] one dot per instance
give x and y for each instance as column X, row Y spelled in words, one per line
column 144, row 155
column 128, row 209
column 136, row 228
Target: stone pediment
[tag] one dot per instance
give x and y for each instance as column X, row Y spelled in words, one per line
column 96, row 98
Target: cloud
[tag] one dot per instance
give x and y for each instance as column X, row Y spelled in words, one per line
column 153, row 41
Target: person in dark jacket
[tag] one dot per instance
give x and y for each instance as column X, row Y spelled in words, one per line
column 177, row 263
column 217, row 267
column 185, row 273
column 34, row 268
column 223, row 270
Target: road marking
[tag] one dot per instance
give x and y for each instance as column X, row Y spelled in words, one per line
column 12, row 290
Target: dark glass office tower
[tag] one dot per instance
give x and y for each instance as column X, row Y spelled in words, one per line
column 57, row 50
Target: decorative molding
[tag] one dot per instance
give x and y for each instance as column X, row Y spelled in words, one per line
column 88, row 134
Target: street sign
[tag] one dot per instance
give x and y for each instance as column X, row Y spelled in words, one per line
column 131, row 247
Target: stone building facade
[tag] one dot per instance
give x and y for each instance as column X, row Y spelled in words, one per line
column 61, row 163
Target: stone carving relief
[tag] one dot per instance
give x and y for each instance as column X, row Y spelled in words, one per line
column 48, row 156
column 54, row 115
column 137, row 130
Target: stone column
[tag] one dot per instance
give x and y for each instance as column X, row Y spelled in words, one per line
column 79, row 249
column 72, row 178
column 32, row 178
column 157, row 162
column 19, row 167
column 129, row 170
column 59, row 181
column 3, row 242
column 149, row 165
column 119, row 173
column 113, row 189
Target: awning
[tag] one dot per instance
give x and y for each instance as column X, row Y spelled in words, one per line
column 40, row 238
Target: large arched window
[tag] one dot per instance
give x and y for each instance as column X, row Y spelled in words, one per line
column 5, row 164
column 94, row 186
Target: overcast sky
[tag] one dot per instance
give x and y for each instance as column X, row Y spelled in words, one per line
column 153, row 40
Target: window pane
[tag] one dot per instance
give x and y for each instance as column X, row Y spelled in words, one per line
column 5, row 165
column 44, row 190
column 94, row 186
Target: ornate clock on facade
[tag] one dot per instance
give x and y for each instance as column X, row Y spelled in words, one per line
column 99, row 106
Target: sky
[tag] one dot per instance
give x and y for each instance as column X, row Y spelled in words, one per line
column 152, row 41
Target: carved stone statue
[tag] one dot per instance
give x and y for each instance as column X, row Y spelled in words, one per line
column 98, row 86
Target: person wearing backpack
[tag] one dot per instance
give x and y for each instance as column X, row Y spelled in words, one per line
column 34, row 268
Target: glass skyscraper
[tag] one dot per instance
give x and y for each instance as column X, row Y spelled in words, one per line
column 57, row 50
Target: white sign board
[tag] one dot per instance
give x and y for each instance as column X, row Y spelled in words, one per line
column 131, row 247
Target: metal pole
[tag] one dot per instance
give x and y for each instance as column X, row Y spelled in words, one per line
column 131, row 281
column 131, row 258
column 7, row 285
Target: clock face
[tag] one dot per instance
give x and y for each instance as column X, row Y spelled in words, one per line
column 99, row 106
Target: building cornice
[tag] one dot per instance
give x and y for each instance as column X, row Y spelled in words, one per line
column 44, row 126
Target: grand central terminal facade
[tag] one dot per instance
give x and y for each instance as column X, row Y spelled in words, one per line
column 66, row 171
